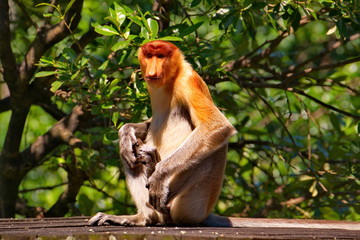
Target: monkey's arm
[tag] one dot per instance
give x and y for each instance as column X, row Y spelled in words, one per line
column 128, row 141
column 206, row 138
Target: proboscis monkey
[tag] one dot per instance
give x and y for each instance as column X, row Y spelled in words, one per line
column 175, row 162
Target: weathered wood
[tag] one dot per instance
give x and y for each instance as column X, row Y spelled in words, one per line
column 77, row 228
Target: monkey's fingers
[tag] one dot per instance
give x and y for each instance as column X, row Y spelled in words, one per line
column 158, row 197
column 164, row 209
column 164, row 202
column 130, row 159
column 129, row 145
column 154, row 201
column 129, row 152
column 154, row 198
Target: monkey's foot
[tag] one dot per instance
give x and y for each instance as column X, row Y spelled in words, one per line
column 103, row 219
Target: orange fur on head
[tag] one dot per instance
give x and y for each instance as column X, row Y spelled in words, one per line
column 159, row 62
column 164, row 66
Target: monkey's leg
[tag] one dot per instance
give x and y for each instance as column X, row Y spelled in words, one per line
column 136, row 179
column 193, row 193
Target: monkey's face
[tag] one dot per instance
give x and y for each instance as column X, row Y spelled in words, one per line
column 156, row 62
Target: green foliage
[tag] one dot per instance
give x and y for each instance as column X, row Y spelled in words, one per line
column 293, row 156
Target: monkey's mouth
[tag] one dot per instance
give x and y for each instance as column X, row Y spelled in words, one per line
column 152, row 78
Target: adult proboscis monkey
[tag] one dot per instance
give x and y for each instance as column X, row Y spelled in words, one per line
column 174, row 162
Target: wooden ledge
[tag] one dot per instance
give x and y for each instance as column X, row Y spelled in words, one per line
column 77, row 228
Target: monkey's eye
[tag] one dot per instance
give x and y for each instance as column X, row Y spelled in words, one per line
column 160, row 56
column 148, row 55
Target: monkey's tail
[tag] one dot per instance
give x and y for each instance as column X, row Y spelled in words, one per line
column 219, row 221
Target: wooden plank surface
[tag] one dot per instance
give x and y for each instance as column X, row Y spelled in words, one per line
column 77, row 228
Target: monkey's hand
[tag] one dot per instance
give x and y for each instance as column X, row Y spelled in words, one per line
column 158, row 193
column 129, row 145
column 149, row 156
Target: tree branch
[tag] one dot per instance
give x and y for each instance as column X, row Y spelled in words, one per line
column 7, row 57
column 247, row 61
column 42, row 188
column 300, row 92
column 46, row 37
column 42, row 97
column 163, row 9
column 308, row 71
column 76, row 178
column 61, row 132
column 84, row 40
column 24, row 10
column 328, row 50
column 283, row 86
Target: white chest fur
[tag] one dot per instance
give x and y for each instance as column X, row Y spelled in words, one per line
column 168, row 131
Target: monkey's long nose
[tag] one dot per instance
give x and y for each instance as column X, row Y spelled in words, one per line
column 152, row 73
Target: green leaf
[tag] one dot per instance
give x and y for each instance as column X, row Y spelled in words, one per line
column 119, row 8
column 335, row 121
column 111, row 136
column 136, row 20
column 75, row 74
column 144, row 20
column 105, row 30
column 100, row 71
column 112, row 90
column 117, row 15
column 144, row 33
column 55, row 86
column 154, row 27
column 229, row 19
column 115, row 118
column 113, row 21
column 295, row 19
column 128, row 9
column 313, row 14
column 120, row 13
column 48, row 14
column 69, row 6
column 114, row 83
column 313, row 190
column 188, row 30
column 272, row 21
column 107, row 106
column 194, row 3
column 120, row 45
column 45, row 73
column 69, row 54
column 48, row 5
column 171, row 39
column 84, row 61
column 104, row 65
